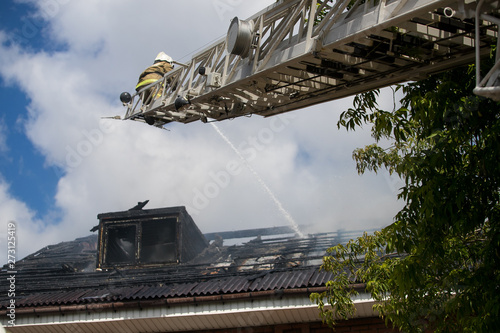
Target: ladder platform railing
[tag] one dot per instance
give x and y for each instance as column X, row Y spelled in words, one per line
column 298, row 53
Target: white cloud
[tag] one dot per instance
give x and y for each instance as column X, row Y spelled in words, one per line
column 27, row 230
column 110, row 165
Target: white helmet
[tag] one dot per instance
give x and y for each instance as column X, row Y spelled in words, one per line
column 162, row 56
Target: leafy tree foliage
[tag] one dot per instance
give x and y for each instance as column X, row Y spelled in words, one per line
column 436, row 267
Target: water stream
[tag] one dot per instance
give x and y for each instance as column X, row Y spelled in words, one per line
column 278, row 204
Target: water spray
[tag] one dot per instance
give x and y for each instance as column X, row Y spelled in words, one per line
column 278, row 204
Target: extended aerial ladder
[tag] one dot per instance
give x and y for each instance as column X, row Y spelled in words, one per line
column 297, row 53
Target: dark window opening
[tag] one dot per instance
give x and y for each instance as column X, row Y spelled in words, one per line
column 121, row 245
column 142, row 242
column 158, row 241
column 148, row 238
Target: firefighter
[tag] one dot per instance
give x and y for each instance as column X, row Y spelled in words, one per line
column 162, row 65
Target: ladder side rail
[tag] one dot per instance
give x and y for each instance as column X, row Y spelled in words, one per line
column 311, row 22
column 195, row 79
column 170, row 85
column 132, row 106
column 263, row 33
column 364, row 24
column 406, row 13
column 303, row 25
column 290, row 35
column 400, row 5
column 173, row 81
column 209, row 59
column 381, row 10
column 276, row 37
column 189, row 78
column 477, row 42
column 259, row 26
column 136, row 105
column 219, row 55
column 266, row 20
column 339, row 31
column 235, row 61
column 276, row 9
column 333, row 15
column 406, row 10
column 487, row 86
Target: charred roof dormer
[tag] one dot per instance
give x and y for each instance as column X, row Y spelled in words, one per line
column 149, row 237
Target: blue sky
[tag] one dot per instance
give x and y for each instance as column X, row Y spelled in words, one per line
column 64, row 64
column 30, row 179
column 22, row 164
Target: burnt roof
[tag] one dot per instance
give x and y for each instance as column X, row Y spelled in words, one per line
column 65, row 273
column 141, row 213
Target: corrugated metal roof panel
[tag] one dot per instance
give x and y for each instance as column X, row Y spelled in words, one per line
column 221, row 286
column 273, row 264
column 42, row 299
column 179, row 290
column 125, row 293
column 319, row 278
column 302, row 279
column 274, row 280
column 150, row 292
column 235, row 285
column 206, row 288
column 73, row 296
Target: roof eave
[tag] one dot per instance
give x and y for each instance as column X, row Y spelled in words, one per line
column 186, row 314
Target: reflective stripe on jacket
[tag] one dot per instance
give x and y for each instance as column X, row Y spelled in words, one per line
column 153, row 73
column 144, row 83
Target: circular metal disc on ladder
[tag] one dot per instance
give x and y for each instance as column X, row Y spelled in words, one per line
column 239, row 37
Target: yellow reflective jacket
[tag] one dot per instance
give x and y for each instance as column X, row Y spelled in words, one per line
column 153, row 73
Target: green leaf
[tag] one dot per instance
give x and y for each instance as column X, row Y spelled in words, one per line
column 436, row 267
